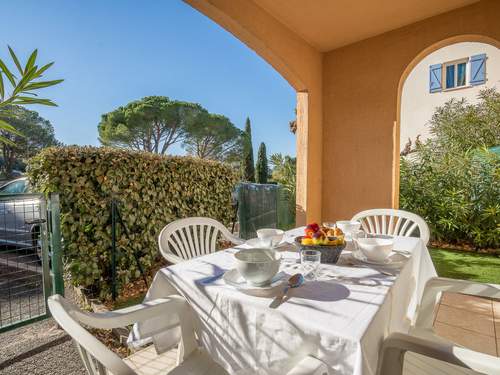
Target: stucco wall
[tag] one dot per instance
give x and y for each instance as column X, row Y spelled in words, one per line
column 301, row 65
column 361, row 83
column 348, row 98
column 418, row 104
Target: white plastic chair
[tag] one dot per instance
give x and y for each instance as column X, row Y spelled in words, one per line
column 192, row 237
column 191, row 359
column 392, row 222
column 99, row 360
column 439, row 355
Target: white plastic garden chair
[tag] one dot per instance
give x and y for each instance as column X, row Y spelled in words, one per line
column 191, row 359
column 392, row 222
column 192, row 237
column 429, row 353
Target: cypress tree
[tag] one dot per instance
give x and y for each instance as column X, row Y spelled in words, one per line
column 262, row 169
column 248, row 166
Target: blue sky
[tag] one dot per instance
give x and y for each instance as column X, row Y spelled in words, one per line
column 112, row 52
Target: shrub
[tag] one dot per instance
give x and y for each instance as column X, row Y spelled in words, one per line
column 453, row 179
column 154, row 190
column 457, row 194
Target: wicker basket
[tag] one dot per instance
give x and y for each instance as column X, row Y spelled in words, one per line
column 329, row 254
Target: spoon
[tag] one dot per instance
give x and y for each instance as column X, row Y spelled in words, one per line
column 293, row 282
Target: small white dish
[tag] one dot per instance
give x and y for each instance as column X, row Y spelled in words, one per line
column 349, row 227
column 394, row 260
column 256, row 243
column 270, row 237
column 375, row 249
column 234, row 278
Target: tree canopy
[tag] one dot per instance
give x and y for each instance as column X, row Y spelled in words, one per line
column 153, row 124
column 37, row 133
column 248, row 168
column 214, row 137
column 262, row 167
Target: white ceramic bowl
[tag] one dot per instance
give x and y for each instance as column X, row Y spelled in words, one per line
column 347, row 226
column 375, row 249
column 257, row 266
column 270, row 237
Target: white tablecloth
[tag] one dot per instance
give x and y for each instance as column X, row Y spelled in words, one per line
column 341, row 318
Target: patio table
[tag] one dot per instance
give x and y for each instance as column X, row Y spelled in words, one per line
column 341, row 318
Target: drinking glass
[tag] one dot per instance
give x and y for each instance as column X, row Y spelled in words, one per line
column 310, row 260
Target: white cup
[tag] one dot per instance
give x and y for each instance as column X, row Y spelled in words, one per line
column 270, row 237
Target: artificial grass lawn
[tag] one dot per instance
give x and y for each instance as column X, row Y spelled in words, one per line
column 466, row 266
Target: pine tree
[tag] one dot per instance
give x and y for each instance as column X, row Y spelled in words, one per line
column 262, row 169
column 247, row 161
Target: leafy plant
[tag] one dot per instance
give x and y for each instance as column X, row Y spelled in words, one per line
column 284, row 172
column 23, row 88
column 453, row 179
column 154, row 190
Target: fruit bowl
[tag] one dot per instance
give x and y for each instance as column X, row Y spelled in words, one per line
column 329, row 253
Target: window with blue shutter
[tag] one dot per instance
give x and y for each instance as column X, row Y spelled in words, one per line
column 478, row 69
column 435, row 78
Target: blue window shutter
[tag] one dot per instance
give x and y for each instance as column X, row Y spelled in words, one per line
column 478, row 69
column 435, row 78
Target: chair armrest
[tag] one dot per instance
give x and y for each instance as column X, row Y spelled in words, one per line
column 435, row 286
column 397, row 344
column 172, row 305
column 309, row 366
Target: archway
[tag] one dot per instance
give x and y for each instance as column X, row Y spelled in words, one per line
column 410, row 67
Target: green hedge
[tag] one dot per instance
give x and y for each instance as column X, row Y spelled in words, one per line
column 457, row 194
column 154, row 190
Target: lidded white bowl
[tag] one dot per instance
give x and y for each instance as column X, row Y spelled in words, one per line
column 258, row 266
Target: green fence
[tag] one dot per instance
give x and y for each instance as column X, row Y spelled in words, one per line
column 262, row 206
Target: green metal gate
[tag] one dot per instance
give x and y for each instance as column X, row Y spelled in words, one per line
column 30, row 257
column 262, row 206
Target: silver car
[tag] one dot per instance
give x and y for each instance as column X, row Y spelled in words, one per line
column 19, row 215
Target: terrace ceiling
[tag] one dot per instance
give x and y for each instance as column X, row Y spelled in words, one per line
column 329, row 24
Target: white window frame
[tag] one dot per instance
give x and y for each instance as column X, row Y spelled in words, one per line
column 467, row 74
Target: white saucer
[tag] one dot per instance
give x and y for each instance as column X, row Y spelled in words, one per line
column 393, row 260
column 233, row 278
column 256, row 243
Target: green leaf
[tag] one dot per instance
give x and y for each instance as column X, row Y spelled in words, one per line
column 5, row 126
column 7, row 72
column 31, row 61
column 41, row 85
column 30, row 100
column 42, row 70
column 16, row 61
column 24, row 81
column 2, row 88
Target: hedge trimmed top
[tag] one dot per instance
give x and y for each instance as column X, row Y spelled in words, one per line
column 154, row 190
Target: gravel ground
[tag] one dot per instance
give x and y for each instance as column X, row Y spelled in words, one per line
column 39, row 349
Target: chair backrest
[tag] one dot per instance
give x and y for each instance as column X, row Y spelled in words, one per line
column 192, row 237
column 393, row 222
column 96, row 357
